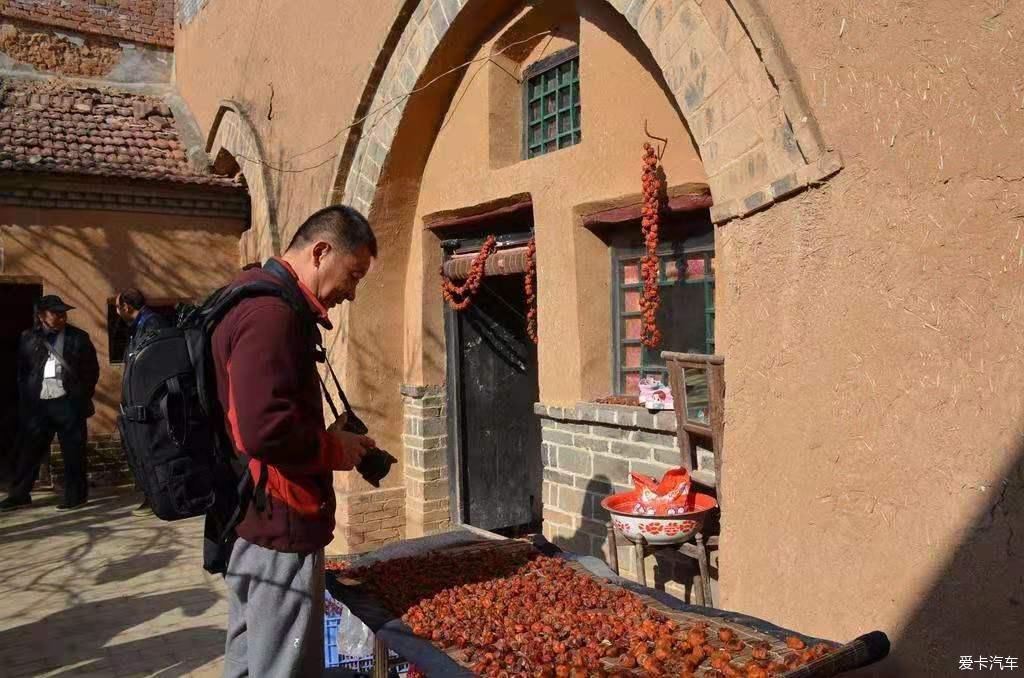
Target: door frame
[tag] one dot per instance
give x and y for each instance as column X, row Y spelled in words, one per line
column 453, row 374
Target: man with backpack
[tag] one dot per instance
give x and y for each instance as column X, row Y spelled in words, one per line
column 57, row 375
column 141, row 321
column 265, row 352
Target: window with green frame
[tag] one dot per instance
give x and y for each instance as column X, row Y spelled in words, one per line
column 686, row 316
column 552, row 104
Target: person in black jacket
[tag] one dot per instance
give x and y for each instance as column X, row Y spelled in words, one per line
column 140, row 318
column 57, row 375
column 142, row 321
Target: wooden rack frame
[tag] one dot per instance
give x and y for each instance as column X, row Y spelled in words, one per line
column 714, row 367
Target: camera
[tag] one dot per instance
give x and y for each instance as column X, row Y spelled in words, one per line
column 376, row 464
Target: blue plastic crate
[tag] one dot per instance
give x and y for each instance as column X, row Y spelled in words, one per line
column 333, row 658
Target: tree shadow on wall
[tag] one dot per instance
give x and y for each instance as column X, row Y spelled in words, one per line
column 975, row 607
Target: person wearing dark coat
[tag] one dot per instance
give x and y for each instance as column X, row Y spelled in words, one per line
column 140, row 318
column 142, row 321
column 57, row 375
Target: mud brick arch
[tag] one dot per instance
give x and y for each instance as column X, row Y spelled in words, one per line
column 233, row 139
column 720, row 58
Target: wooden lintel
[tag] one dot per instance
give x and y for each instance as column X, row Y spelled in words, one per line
column 478, row 214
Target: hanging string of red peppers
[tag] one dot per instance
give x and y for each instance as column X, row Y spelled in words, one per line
column 650, row 335
column 531, row 290
column 460, row 297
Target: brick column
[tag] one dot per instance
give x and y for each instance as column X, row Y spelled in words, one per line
column 426, row 459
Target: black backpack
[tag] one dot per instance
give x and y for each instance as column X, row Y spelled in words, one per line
column 172, row 425
column 172, row 429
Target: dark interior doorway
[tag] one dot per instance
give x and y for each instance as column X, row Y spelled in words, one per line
column 17, row 306
column 495, row 437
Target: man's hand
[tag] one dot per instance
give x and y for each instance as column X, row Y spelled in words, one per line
column 353, row 447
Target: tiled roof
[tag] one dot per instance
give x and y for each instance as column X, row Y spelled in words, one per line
column 146, row 21
column 58, row 127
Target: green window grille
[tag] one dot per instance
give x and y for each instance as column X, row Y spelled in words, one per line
column 552, row 98
column 686, row 316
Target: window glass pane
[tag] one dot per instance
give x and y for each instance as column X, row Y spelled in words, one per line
column 534, row 114
column 632, row 383
column 631, row 301
column 565, row 73
column 550, row 104
column 550, row 146
column 549, row 81
column 632, row 328
column 535, row 134
column 695, row 268
column 682, row 320
column 577, row 137
column 697, row 396
column 564, row 124
column 550, row 129
column 631, row 272
column 631, row 356
column 563, row 99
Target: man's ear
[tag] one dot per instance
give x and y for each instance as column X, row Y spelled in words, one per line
column 320, row 248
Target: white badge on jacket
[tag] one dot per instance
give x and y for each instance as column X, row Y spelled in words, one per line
column 50, row 369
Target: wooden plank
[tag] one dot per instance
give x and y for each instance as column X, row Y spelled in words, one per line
column 502, row 262
column 678, row 389
column 716, row 398
column 479, row 214
column 694, row 428
column 682, row 203
column 694, row 359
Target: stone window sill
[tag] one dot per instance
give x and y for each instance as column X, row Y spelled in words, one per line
column 615, row 415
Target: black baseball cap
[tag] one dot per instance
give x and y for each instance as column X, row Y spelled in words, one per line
column 51, row 302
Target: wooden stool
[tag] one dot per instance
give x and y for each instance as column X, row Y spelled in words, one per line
column 697, row 550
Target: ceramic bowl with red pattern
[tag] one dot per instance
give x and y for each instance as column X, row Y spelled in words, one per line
column 677, row 526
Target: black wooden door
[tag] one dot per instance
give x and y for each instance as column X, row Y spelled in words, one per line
column 498, row 438
column 17, row 306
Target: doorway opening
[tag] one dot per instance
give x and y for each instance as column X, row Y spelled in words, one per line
column 17, row 311
column 494, row 435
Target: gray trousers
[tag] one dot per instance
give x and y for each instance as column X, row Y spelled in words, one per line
column 275, row 613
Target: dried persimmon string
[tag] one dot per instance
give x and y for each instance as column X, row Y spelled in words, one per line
column 460, row 297
column 650, row 217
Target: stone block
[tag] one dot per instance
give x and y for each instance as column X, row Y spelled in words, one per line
column 575, row 461
column 557, row 437
column 592, row 444
column 747, row 64
column 653, row 439
column 734, row 182
column 631, row 450
column 731, row 142
column 571, row 500
column 613, row 432
column 557, row 517
column 722, row 20
column 612, row 469
column 670, row 457
column 554, row 476
column 655, row 471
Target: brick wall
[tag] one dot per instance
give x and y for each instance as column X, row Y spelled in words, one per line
column 369, row 520
column 426, row 459
column 145, row 21
column 588, row 453
column 107, row 464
